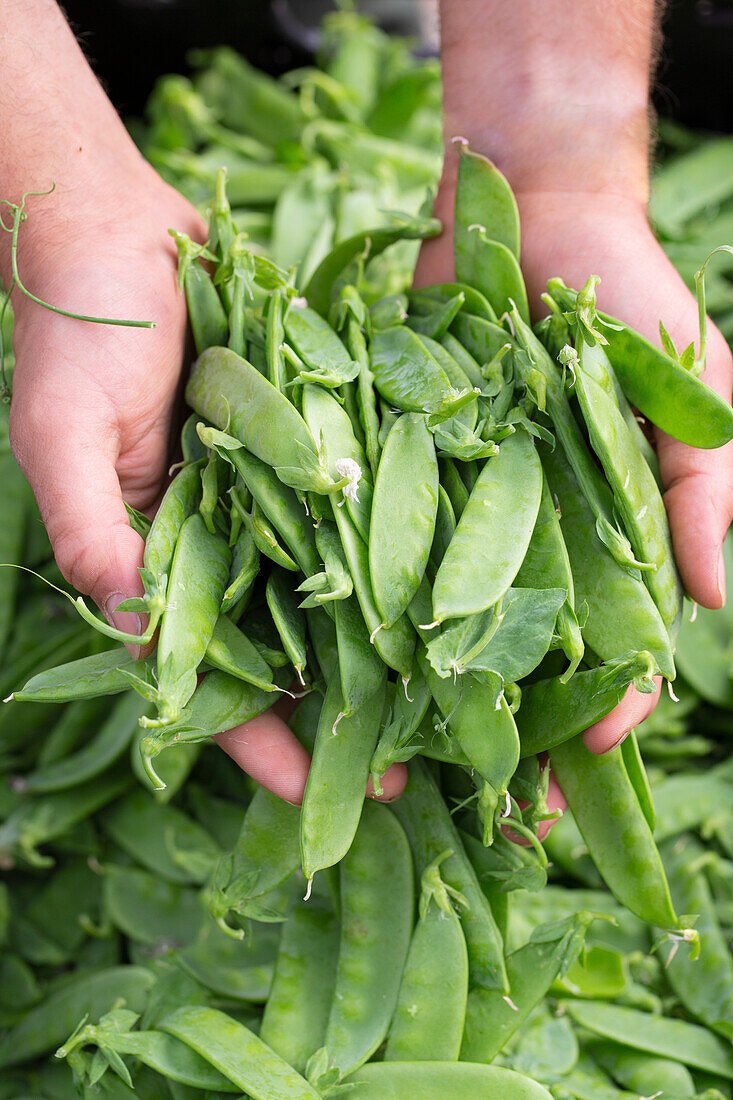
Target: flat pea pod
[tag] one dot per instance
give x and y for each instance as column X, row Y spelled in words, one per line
column 243, row 572
column 635, row 490
column 237, row 1053
column 684, row 1042
column 431, row 1007
column 638, row 777
column 554, row 710
column 671, row 397
column 296, row 1014
column 150, row 910
column 264, row 537
column 318, row 346
column 644, row 1073
column 406, row 486
column 360, row 668
column 612, row 823
column 491, row 1019
column 96, row 756
column 86, row 678
column 493, row 532
column 181, row 500
column 231, row 651
column 430, row 830
column 376, row 922
column 622, row 617
column 365, row 395
column 452, row 482
column 482, row 338
column 198, row 578
column 405, row 372
column 235, row 969
column 333, row 800
column 44, row 1027
column 289, row 620
column 473, row 300
column 324, row 282
column 206, row 314
column 234, row 396
column 495, row 271
column 483, row 196
column 464, row 359
column 440, row 1080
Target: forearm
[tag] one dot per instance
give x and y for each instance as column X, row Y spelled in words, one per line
column 556, row 92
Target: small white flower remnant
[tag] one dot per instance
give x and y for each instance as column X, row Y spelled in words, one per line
column 348, row 468
column 569, row 358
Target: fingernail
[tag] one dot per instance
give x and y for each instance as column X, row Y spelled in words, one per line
column 618, row 741
column 721, row 578
column 127, row 621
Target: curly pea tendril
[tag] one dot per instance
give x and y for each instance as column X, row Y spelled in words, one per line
column 17, row 214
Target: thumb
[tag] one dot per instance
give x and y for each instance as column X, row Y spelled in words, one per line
column 70, row 464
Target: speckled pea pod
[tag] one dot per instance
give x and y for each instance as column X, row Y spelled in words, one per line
column 439, row 1080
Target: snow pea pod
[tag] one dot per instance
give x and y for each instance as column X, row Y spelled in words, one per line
column 430, row 830
column 231, row 651
column 237, row 1053
column 644, row 1073
column 86, row 678
column 244, row 569
column 360, row 667
column 296, row 1014
column 206, row 314
column 150, row 910
column 612, row 823
column 234, row 396
column 495, row 271
column 473, row 300
column 483, row 196
column 334, row 792
column 481, row 337
column 431, row 1006
column 365, row 394
column 493, row 532
column 326, row 359
column 406, row 374
column 406, row 486
column 439, row 1080
column 464, row 359
column 670, row 396
column 635, row 490
column 289, row 620
column 432, row 317
column 376, row 921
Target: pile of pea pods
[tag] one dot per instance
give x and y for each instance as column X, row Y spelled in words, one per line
column 436, row 532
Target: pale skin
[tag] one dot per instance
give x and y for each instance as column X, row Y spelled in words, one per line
column 555, row 92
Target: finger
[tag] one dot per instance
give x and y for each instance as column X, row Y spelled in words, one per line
column 72, row 473
column 392, row 782
column 610, row 731
column 268, row 751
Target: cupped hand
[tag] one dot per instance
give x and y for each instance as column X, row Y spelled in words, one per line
column 575, row 235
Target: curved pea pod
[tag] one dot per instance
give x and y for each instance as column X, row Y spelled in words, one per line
column 704, row 985
column 325, row 281
column 481, row 337
column 473, row 300
column 431, row 831
column 265, row 855
column 198, row 578
column 492, row 1019
column 47, row 1025
column 289, row 620
column 150, row 910
column 555, row 710
column 237, row 1053
column 365, row 394
column 234, row 396
column 408, row 376
column 326, row 360
column 684, row 1042
column 86, row 678
column 635, row 489
column 375, row 938
column 495, row 271
column 437, row 1081
column 431, row 1006
column 231, row 651
column 180, row 501
column 406, row 487
column 493, row 532
column 644, row 1073
column 670, row 396
column 98, row 754
column 242, row 574
column 622, row 616
column 612, row 823
column 483, row 196
column 432, row 317
column 360, row 668
column 206, row 313
column 336, row 786
column 296, row 1014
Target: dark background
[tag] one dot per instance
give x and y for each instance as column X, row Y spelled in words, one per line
column 131, row 42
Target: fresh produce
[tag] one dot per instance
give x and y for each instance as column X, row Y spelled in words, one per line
column 440, row 531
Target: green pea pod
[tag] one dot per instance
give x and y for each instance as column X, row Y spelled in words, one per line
column 334, row 792
column 431, row 1007
column 464, row 359
column 493, row 532
column 639, row 779
column 670, row 396
column 445, row 529
column 438, row 1080
column 431, row 832
column 96, row 756
column 366, row 398
column 374, row 940
column 264, row 537
column 495, row 271
column 237, row 1053
column 644, row 1073
column 325, row 357
column 234, row 396
column 406, row 486
column 611, row 820
column 451, row 481
column 360, row 667
column 473, row 300
column 230, row 650
column 407, row 375
column 206, row 313
column 432, row 317
column 555, row 710
column 243, row 572
column 483, row 196
column 192, row 448
column 86, row 678
column 181, row 500
column 238, row 970
column 636, row 494
column 324, row 283
column 84, row 993
column 481, row 337
column 288, row 618
column 247, row 100
column 492, row 1019
column 296, row 1014
column 199, row 574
